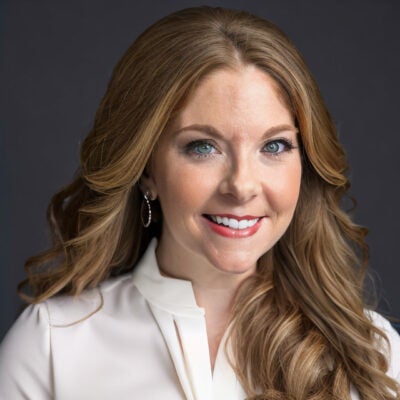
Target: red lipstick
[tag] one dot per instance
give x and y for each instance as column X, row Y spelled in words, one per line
column 235, row 216
column 226, row 231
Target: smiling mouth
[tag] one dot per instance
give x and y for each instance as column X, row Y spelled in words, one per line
column 233, row 223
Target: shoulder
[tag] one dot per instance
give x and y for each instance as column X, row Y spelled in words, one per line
column 25, row 356
column 26, row 353
column 64, row 311
column 31, row 328
column 390, row 349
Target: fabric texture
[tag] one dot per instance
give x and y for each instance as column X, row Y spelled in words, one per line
column 140, row 335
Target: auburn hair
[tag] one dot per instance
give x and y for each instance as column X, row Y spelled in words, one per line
column 299, row 329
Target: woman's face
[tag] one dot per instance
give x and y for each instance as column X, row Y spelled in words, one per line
column 227, row 173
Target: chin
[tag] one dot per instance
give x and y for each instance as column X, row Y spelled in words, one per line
column 232, row 265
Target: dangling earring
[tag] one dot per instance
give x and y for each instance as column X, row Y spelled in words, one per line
column 147, row 198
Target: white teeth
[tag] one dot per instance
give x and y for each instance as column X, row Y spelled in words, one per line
column 234, row 223
column 243, row 224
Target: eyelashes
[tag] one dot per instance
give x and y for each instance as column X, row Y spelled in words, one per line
column 200, row 148
column 278, row 146
column 204, row 148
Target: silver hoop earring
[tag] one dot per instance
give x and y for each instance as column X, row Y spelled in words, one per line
column 147, row 198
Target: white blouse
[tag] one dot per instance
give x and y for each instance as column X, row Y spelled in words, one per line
column 140, row 335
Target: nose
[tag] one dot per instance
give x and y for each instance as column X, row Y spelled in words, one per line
column 241, row 181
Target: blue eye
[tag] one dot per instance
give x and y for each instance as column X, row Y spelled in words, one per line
column 200, row 148
column 276, row 147
column 203, row 148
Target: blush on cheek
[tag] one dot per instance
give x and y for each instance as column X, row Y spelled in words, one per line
column 282, row 196
column 193, row 185
column 179, row 192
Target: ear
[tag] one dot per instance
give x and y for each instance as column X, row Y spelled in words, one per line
column 147, row 183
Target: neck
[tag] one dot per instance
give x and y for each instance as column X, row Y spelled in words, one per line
column 214, row 290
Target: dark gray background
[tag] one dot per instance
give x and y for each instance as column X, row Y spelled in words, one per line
column 56, row 59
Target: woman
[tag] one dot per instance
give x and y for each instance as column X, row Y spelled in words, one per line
column 201, row 251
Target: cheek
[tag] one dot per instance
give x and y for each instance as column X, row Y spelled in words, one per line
column 283, row 188
column 183, row 189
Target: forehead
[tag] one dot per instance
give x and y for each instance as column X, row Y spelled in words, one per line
column 243, row 95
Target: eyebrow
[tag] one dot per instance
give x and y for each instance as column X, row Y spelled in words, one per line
column 210, row 130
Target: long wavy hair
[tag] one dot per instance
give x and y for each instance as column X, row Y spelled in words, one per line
column 299, row 329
